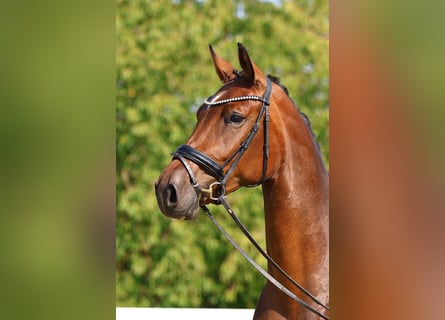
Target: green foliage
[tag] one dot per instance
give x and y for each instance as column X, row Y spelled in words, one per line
column 164, row 72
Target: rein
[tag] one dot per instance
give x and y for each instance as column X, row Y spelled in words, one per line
column 216, row 191
column 263, row 272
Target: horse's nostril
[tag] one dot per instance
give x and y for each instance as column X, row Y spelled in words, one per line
column 173, row 196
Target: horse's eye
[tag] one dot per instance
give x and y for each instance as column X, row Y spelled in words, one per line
column 236, row 118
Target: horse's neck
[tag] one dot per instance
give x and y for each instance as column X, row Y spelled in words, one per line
column 296, row 213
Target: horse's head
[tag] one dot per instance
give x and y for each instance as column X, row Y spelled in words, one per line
column 231, row 145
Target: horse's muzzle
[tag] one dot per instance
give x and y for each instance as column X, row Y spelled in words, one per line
column 176, row 197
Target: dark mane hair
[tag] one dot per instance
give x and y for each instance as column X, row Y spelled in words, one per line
column 276, row 80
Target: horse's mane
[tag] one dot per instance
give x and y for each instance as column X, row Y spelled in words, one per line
column 276, row 80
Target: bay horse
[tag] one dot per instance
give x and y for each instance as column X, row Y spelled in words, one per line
column 249, row 133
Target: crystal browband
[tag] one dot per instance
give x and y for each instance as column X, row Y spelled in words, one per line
column 224, row 101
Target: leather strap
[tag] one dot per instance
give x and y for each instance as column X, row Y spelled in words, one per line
column 238, row 222
column 263, row 272
column 201, row 159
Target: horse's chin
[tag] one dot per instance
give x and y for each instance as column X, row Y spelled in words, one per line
column 188, row 214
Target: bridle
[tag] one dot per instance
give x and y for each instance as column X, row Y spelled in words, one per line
column 216, row 191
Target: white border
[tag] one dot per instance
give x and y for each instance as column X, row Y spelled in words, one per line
column 183, row 314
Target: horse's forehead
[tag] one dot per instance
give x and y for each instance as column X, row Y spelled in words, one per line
column 212, row 98
column 233, row 89
column 237, row 85
column 217, row 96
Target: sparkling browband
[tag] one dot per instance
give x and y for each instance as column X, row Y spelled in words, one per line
column 224, row 101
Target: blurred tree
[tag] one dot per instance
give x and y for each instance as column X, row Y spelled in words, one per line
column 163, row 73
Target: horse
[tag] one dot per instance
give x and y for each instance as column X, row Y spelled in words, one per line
column 249, row 133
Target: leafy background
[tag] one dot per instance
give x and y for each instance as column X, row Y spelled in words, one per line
column 163, row 73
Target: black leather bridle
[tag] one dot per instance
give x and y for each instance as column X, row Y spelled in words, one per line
column 206, row 163
column 216, row 191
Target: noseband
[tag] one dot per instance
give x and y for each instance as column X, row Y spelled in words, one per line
column 217, row 189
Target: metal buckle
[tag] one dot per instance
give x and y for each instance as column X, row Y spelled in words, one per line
column 216, row 190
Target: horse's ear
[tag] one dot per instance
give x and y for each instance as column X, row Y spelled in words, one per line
column 252, row 72
column 222, row 67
